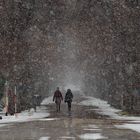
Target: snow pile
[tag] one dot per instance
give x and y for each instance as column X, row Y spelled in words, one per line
column 24, row 116
column 90, row 136
column 135, row 127
column 47, row 101
column 44, row 138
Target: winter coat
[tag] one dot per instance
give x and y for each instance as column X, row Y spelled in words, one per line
column 57, row 96
column 68, row 97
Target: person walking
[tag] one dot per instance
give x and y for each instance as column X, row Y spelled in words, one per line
column 57, row 98
column 68, row 99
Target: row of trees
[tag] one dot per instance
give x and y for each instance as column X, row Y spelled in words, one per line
column 111, row 45
column 92, row 43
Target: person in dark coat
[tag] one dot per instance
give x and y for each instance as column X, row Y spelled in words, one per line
column 68, row 99
column 57, row 98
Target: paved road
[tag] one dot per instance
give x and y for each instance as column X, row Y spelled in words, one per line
column 81, row 123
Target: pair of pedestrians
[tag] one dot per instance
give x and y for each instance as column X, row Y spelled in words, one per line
column 58, row 98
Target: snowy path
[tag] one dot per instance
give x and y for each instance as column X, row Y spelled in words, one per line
column 86, row 122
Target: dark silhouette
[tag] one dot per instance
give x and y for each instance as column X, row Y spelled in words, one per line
column 68, row 99
column 57, row 98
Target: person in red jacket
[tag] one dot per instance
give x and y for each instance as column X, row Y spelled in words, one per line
column 57, row 98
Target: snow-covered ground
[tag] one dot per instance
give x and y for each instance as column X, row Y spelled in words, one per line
column 92, row 136
column 24, row 116
column 47, row 101
column 105, row 109
column 135, row 127
column 44, row 138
